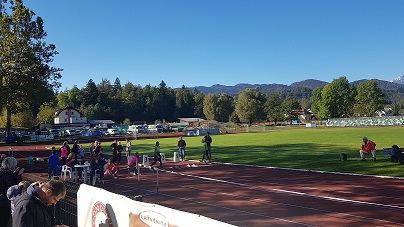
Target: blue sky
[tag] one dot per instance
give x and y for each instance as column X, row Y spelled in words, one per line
column 207, row 42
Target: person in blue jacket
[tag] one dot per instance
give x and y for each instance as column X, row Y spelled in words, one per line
column 54, row 164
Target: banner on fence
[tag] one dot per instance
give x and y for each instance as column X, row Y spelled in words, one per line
column 98, row 207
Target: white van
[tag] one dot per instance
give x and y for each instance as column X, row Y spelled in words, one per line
column 113, row 132
column 71, row 132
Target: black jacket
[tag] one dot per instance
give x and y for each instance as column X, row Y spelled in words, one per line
column 30, row 211
column 7, row 179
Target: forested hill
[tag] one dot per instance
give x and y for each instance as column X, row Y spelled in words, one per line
column 309, row 84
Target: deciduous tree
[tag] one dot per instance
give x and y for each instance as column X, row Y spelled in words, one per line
column 250, row 105
column 24, row 58
column 338, row 98
column 273, row 108
column 370, row 99
column 209, row 106
column 289, row 107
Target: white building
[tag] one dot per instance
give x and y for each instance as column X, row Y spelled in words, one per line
column 69, row 115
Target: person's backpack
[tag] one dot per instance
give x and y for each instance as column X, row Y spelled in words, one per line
column 343, row 157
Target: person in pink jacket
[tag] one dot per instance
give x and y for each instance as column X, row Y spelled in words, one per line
column 64, row 152
column 133, row 162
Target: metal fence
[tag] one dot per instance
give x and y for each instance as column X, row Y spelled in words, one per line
column 66, row 209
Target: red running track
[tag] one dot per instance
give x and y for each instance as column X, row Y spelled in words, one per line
column 259, row 196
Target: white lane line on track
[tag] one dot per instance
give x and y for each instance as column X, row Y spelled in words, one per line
column 326, row 212
column 338, row 199
column 212, row 179
column 307, row 170
column 298, row 193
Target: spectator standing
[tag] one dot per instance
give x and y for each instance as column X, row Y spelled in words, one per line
column 208, row 141
column 91, row 149
column 181, row 146
column 114, row 145
column 75, row 148
column 157, row 155
column 33, row 208
column 119, row 149
column 64, row 152
column 98, row 148
column 205, row 152
column 80, row 154
column 128, row 148
column 16, row 190
column 66, row 143
column 54, row 164
column 368, row 147
column 9, row 175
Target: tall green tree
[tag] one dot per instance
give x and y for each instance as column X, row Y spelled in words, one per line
column 316, row 103
column 250, row 105
column 209, row 106
column 149, row 109
column 90, row 93
column 370, row 99
column 225, row 106
column 132, row 102
column 165, row 103
column 106, row 100
column 273, row 109
column 62, row 99
column 198, row 109
column 25, row 58
column 24, row 118
column 338, row 98
column 289, row 107
column 184, row 103
column 46, row 113
column 75, row 99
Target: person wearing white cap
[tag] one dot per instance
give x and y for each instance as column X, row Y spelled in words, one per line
column 368, row 147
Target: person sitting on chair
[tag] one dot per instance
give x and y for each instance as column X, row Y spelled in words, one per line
column 368, row 147
column 97, row 163
column 396, row 155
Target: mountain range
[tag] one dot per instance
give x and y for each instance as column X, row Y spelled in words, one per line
column 305, row 84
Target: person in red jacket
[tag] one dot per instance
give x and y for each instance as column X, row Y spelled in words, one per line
column 368, row 147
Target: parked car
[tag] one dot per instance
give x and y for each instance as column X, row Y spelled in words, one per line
column 104, row 131
column 113, row 132
column 130, row 132
column 92, row 133
column 70, row 132
column 78, row 132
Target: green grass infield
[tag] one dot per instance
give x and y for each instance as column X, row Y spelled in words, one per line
column 289, row 147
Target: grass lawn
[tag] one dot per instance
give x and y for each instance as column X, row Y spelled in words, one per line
column 289, row 147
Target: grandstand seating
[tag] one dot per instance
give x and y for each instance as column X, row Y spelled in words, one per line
column 365, row 121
